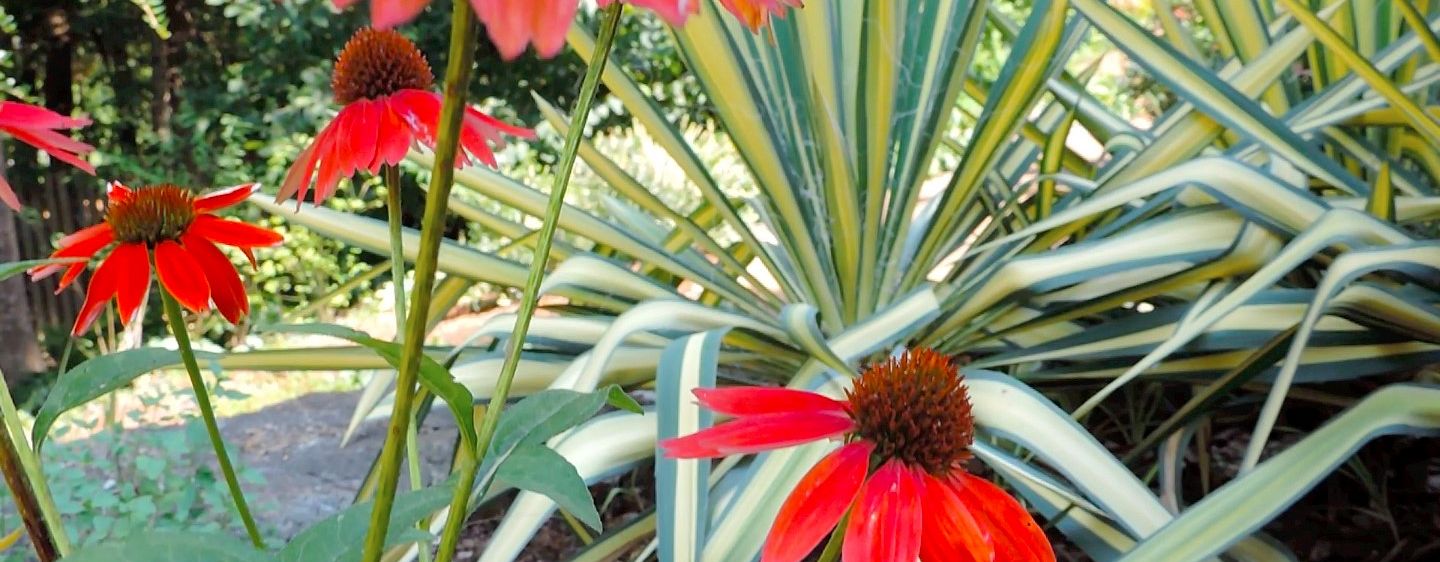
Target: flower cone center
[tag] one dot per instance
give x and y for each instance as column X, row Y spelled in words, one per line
column 151, row 214
column 375, row 64
column 915, row 408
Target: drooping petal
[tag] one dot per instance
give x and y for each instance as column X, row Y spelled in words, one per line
column 757, row 13
column 817, row 503
column 37, row 126
column 234, row 233
column 226, row 289
column 753, row 434
column 103, row 285
column 951, row 533
column 180, row 274
column 82, row 243
column 394, row 137
column 886, row 523
column 223, row 198
column 297, row 180
column 675, row 12
column 334, row 158
column 133, row 263
column 421, row 110
column 750, row 400
column 58, row 146
column 364, row 131
column 7, row 195
column 21, row 115
column 513, row 25
column 1013, row 532
column 385, row 14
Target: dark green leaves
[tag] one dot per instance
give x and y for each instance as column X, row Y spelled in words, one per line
column 433, row 376
column 518, row 454
column 171, row 546
column 541, row 470
column 340, row 537
column 97, row 377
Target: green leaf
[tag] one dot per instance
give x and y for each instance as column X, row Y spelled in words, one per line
column 338, row 538
column 540, row 469
column 617, row 397
column 535, row 420
column 98, row 377
column 11, row 269
column 433, row 376
column 170, row 546
column 682, row 493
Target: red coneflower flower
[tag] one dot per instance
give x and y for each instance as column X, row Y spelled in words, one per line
column 37, row 126
column 383, row 81
column 515, row 24
column 910, row 417
column 180, row 230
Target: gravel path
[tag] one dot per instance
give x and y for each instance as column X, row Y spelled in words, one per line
column 309, row 476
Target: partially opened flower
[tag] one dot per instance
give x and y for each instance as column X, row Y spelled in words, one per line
column 179, row 232
column 910, row 418
column 516, row 24
column 37, row 127
column 383, row 82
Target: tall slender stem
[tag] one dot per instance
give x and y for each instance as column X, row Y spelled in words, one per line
column 432, row 232
column 470, row 460
column 30, row 463
column 397, row 243
column 176, row 319
column 391, row 174
column 26, row 502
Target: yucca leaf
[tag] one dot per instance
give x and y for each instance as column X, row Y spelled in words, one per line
column 1243, row 505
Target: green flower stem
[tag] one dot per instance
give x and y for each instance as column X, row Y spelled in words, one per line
column 391, row 175
column 837, row 539
column 207, row 413
column 432, row 232
column 30, row 463
column 469, row 460
column 397, row 243
column 26, row 502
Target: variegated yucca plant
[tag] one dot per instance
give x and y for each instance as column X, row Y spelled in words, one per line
column 1267, row 231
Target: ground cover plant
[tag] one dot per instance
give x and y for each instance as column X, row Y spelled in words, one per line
column 933, row 299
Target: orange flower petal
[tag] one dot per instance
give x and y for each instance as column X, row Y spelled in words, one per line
column 234, row 233
column 297, row 180
column 133, row 263
column 817, row 503
column 7, row 195
column 181, row 275
column 398, row 135
column 385, row 14
column 753, row 434
column 675, row 12
column 1013, row 531
column 103, row 285
column 226, row 289
column 749, row 401
column 227, row 197
column 513, row 25
column 886, row 523
column 82, row 243
column 951, row 533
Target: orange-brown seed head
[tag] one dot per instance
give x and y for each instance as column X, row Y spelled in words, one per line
column 376, row 63
column 151, row 214
column 915, row 408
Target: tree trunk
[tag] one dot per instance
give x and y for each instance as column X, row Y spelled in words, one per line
column 20, row 354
